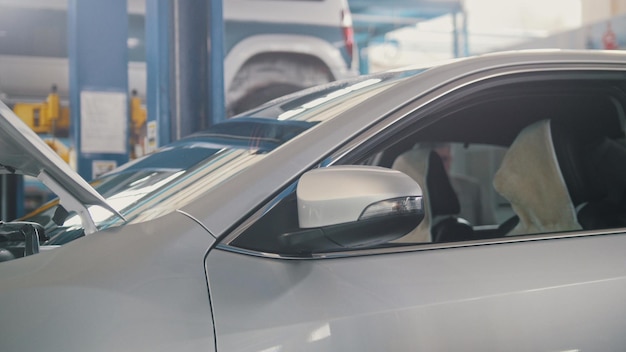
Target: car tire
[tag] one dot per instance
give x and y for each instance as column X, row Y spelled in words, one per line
column 267, row 77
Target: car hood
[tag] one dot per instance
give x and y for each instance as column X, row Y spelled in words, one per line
column 22, row 151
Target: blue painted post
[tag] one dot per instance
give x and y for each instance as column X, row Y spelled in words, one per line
column 364, row 62
column 158, row 92
column 362, row 40
column 455, row 34
column 217, row 99
column 185, row 41
column 190, row 64
column 98, row 62
column 466, row 49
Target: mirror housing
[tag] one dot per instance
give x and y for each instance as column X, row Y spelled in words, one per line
column 20, row 239
column 343, row 207
column 342, row 194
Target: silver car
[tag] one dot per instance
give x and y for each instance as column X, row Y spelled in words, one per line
column 478, row 205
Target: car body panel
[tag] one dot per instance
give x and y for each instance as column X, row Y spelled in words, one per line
column 112, row 292
column 448, row 299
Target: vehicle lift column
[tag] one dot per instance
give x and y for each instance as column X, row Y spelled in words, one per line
column 158, row 93
column 98, row 62
column 184, row 60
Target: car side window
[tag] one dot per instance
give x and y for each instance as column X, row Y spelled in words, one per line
column 553, row 165
column 468, row 172
column 470, row 169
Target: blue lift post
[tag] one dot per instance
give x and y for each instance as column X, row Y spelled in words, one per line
column 98, row 62
column 215, row 26
column 190, row 64
column 158, row 49
column 184, row 55
column 460, row 40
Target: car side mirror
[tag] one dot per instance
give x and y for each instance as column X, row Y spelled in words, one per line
column 341, row 207
column 19, row 239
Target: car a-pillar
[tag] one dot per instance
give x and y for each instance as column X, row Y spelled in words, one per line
column 268, row 76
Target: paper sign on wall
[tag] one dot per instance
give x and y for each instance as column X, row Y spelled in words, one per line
column 151, row 137
column 99, row 167
column 103, row 122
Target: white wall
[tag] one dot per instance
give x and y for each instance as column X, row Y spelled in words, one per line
column 594, row 11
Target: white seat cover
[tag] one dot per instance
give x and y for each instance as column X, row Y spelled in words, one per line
column 415, row 164
column 530, row 179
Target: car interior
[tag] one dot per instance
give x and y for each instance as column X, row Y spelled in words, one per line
column 553, row 160
column 541, row 157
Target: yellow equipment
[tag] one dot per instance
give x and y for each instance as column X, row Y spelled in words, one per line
column 48, row 117
column 59, row 147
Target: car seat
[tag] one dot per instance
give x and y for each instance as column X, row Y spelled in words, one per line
column 441, row 221
column 560, row 177
column 529, row 177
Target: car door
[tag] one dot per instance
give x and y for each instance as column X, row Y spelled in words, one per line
column 556, row 289
column 549, row 295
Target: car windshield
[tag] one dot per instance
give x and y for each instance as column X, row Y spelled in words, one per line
column 174, row 175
